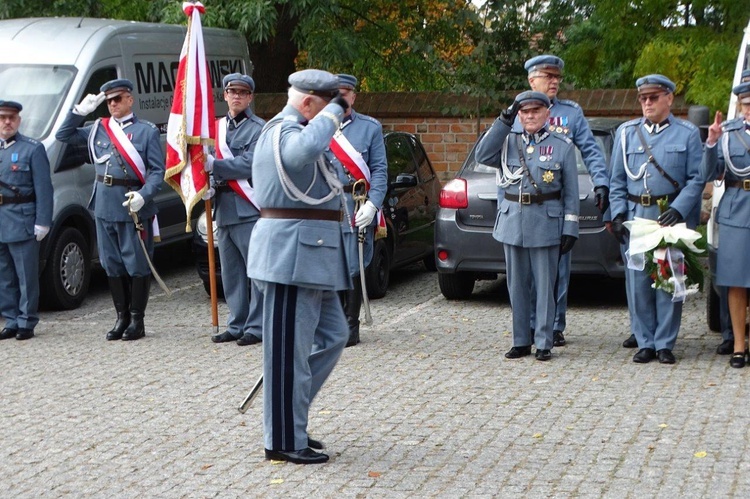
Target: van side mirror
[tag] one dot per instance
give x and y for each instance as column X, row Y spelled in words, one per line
column 72, row 156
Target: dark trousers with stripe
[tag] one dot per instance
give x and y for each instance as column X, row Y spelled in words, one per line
column 304, row 334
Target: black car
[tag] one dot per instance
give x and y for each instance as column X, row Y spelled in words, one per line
column 410, row 207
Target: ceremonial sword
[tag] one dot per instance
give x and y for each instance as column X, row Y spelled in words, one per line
column 359, row 195
column 251, row 396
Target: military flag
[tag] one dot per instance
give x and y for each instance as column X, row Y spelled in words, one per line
column 190, row 126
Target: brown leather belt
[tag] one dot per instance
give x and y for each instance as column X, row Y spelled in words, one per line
column 528, row 198
column 108, row 180
column 742, row 184
column 17, row 199
column 223, row 188
column 348, row 188
column 650, row 199
column 301, row 214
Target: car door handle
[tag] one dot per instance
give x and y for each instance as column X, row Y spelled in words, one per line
column 583, row 197
column 491, row 196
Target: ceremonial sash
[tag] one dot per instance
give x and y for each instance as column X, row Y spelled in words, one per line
column 355, row 164
column 129, row 153
column 241, row 187
column 350, row 157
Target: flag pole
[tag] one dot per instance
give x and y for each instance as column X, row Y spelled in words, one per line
column 212, row 267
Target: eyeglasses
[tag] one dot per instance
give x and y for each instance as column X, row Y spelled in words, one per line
column 239, row 93
column 8, row 117
column 549, row 76
column 649, row 98
column 115, row 99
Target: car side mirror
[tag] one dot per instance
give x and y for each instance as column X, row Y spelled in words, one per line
column 404, row 181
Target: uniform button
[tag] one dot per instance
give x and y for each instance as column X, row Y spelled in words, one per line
column 320, row 242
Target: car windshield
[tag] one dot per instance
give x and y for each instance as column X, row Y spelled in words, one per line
column 40, row 90
column 473, row 166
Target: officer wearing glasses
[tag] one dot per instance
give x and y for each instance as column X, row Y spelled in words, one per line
column 236, row 209
column 129, row 163
column 566, row 118
column 655, row 157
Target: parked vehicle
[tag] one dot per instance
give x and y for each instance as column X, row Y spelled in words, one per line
column 712, row 235
column 409, row 207
column 48, row 65
column 465, row 249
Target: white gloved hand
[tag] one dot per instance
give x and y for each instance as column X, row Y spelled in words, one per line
column 365, row 214
column 134, row 202
column 210, row 192
column 40, row 232
column 89, row 104
column 209, row 164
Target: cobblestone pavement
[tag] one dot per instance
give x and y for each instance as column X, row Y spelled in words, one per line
column 425, row 406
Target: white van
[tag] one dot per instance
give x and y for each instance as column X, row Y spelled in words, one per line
column 48, row 65
column 712, row 303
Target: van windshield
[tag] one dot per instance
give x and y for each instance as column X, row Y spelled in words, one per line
column 40, row 90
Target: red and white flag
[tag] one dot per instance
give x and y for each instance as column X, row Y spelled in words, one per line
column 190, row 127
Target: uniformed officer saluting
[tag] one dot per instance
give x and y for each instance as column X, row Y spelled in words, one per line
column 25, row 218
column 538, row 209
column 727, row 153
column 358, row 152
column 129, row 165
column 566, row 117
column 236, row 208
column 299, row 261
column 654, row 157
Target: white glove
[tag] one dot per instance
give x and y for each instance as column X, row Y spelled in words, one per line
column 210, row 192
column 135, row 201
column 40, row 232
column 89, row 104
column 365, row 214
column 209, row 164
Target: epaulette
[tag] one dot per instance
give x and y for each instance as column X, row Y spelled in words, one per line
column 633, row 122
column 255, row 119
column 23, row 138
column 148, row 123
column 570, row 103
column 687, row 124
column 369, row 118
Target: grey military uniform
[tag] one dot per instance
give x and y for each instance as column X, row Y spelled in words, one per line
column 235, row 219
column 24, row 176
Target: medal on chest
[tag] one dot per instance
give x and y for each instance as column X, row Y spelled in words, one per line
column 548, row 176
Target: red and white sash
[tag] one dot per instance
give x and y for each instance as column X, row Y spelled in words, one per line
column 241, row 187
column 129, row 153
column 355, row 164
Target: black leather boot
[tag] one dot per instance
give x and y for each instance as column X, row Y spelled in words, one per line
column 138, row 300
column 351, row 309
column 120, row 288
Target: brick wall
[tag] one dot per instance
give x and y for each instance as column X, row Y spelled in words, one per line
column 448, row 125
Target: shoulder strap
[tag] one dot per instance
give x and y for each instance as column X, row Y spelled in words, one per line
column 519, row 146
column 653, row 161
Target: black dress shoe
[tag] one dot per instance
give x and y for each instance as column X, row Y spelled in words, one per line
column 666, row 356
column 737, row 360
column 315, row 444
column 518, row 352
column 246, row 339
column 7, row 334
column 558, row 339
column 304, row 456
column 224, row 337
column 24, row 334
column 543, row 354
column 726, row 347
column 631, row 342
column 644, row 356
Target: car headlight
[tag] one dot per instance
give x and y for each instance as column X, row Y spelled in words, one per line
column 202, row 228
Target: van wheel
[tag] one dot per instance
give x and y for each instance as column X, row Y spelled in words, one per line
column 378, row 273
column 712, row 309
column 457, row 286
column 65, row 280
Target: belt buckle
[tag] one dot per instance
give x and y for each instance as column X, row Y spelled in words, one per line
column 107, row 180
column 525, row 198
column 746, row 184
column 646, row 199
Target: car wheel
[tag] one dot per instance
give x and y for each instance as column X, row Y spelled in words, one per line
column 457, row 286
column 66, row 276
column 712, row 309
column 378, row 272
